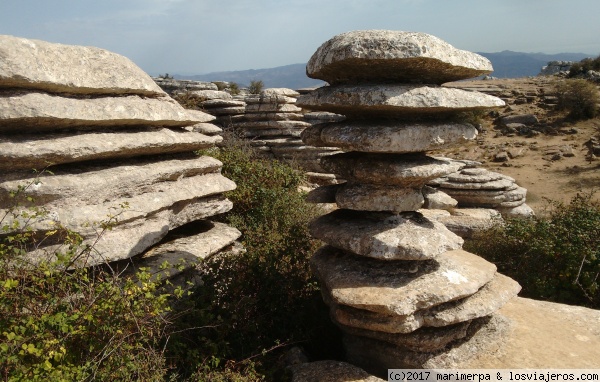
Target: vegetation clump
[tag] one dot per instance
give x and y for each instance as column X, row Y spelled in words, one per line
column 581, row 68
column 555, row 258
column 63, row 321
column 256, row 87
column 579, row 97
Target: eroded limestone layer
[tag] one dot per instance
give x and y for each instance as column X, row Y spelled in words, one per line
column 395, row 100
column 399, row 287
column 393, row 56
column 384, row 235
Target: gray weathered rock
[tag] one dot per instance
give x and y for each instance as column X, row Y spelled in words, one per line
column 204, row 128
column 269, row 107
column 378, row 356
column 41, row 65
column 465, row 222
column 89, row 184
column 395, row 100
column 422, row 340
column 521, row 211
column 395, row 137
column 526, row 119
column 393, row 56
column 385, row 236
column 23, row 112
column 438, row 200
column 323, row 194
column 408, row 170
column 212, row 94
column 23, row 152
column 400, row 287
column 279, row 92
column 369, row 197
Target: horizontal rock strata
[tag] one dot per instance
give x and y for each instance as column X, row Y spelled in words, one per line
column 115, row 159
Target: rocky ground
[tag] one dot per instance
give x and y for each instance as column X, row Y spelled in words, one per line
column 547, row 156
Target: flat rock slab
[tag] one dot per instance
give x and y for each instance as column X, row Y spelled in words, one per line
column 276, row 108
column 476, row 175
column 522, row 211
column 491, row 297
column 23, row 112
column 466, row 222
column 269, row 92
column 393, row 56
column 485, row 336
column 408, row 170
column 23, row 152
column 269, row 99
column 486, row 301
column 134, row 237
column 422, row 340
column 545, row 335
column 385, row 236
column 400, row 287
column 395, row 137
column 394, row 101
column 35, row 64
column 330, row 371
column 271, row 117
column 437, row 200
column 204, row 128
column 94, row 184
column 185, row 252
column 488, row 198
column 500, row 184
column 369, row 197
column 271, row 125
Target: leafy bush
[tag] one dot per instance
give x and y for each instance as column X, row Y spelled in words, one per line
column 60, row 321
column 234, row 89
column 256, row 87
column 265, row 299
column 579, row 97
column 582, row 67
column 556, row 258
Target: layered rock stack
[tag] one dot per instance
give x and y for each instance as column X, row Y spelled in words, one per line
column 481, row 188
column 397, row 283
column 120, row 150
column 273, row 124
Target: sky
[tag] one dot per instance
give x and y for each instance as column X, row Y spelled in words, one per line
column 204, row 36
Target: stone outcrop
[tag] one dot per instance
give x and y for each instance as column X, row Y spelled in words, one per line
column 481, row 188
column 396, row 280
column 120, row 151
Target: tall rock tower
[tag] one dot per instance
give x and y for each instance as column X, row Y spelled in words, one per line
column 397, row 283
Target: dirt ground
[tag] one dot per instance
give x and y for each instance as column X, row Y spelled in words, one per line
column 532, row 164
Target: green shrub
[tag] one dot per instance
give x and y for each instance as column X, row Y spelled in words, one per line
column 265, row 299
column 61, row 321
column 234, row 89
column 579, row 97
column 256, row 87
column 555, row 258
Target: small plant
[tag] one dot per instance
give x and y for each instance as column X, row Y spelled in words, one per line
column 579, row 97
column 234, row 88
column 256, row 87
column 555, row 258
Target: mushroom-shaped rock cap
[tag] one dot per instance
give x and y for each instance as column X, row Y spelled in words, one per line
column 393, row 56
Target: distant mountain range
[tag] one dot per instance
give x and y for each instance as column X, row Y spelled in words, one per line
column 507, row 64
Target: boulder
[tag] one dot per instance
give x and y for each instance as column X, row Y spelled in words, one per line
column 330, row 371
column 393, row 56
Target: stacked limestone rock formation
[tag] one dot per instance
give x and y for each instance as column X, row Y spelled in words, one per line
column 397, row 283
column 481, row 188
column 117, row 145
column 273, row 123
